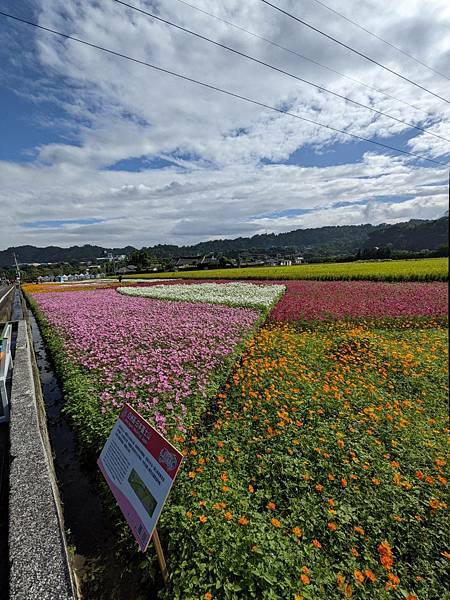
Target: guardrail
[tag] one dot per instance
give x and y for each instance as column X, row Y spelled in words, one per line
column 6, row 364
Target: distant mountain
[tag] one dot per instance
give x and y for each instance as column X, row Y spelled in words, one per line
column 325, row 241
column 54, row 254
column 415, row 235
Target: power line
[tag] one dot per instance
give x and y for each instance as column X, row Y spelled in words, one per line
column 381, row 39
column 277, row 69
column 302, row 56
column 218, row 89
column 330, row 37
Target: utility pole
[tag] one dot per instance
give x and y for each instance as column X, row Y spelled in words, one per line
column 17, row 267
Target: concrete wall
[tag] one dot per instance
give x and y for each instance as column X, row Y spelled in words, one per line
column 39, row 563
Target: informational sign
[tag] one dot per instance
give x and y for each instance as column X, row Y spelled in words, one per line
column 139, row 465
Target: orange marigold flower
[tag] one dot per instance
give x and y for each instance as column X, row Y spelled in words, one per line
column 297, row 532
column 225, row 488
column 224, row 477
column 228, row 516
column 316, row 544
column 332, row 526
column 348, row 590
column 305, row 579
column 434, row 504
column 393, row 582
column 208, row 596
column 419, row 474
column 354, row 551
column 305, row 570
column 359, row 577
column 340, row 443
column 243, row 521
column 386, row 555
column 319, row 488
column 340, row 580
column 220, row 444
column 330, row 501
column 191, row 474
column 370, row 575
column 189, row 514
column 344, row 483
column 376, row 481
column 271, row 505
column 276, row 523
column 359, row 530
column 445, row 554
column 203, row 518
column 251, row 489
column 220, row 459
column 411, row 597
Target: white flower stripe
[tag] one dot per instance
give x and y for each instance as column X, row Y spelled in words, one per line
column 246, row 295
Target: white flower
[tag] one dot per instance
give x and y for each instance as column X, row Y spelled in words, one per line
column 247, row 295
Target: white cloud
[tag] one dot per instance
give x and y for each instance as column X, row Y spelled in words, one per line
column 117, row 110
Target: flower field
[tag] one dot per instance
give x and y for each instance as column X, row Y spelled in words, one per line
column 424, row 269
column 316, row 468
column 164, row 358
column 231, row 294
column 322, row 473
column 311, row 300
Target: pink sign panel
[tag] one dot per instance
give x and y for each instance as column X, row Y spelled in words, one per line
column 139, row 465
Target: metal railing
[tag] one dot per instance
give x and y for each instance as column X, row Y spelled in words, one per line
column 6, row 364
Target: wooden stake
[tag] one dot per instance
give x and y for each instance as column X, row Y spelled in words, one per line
column 160, row 555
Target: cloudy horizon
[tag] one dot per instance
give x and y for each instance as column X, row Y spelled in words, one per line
column 95, row 149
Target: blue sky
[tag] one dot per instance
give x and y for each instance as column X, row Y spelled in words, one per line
column 94, row 149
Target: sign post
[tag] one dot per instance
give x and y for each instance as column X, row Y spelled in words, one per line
column 140, row 465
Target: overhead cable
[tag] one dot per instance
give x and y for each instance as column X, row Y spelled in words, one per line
column 330, row 37
column 218, row 89
column 302, row 56
column 378, row 37
column 277, row 69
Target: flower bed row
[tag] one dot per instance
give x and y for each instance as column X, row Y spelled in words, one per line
column 230, row 294
column 323, row 474
column 164, row 358
column 319, row 300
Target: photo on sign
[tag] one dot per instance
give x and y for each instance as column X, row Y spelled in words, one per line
column 142, row 492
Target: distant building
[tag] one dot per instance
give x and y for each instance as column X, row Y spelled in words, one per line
column 127, row 269
column 187, row 262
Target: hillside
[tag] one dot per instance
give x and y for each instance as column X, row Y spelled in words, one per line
column 414, row 235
